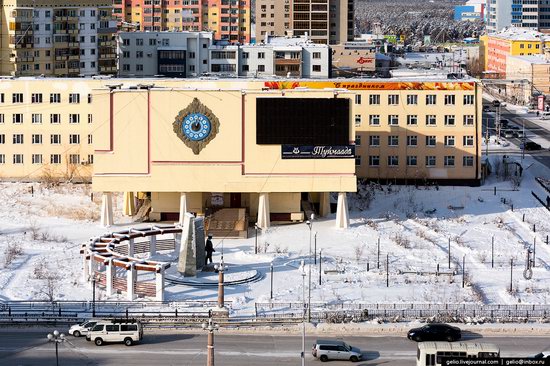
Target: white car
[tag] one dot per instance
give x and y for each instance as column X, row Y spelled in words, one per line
column 83, row 328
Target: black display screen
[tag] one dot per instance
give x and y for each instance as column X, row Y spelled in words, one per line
column 302, row 121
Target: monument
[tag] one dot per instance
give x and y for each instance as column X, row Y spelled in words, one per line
column 192, row 249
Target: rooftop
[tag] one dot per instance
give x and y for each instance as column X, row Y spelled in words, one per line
column 533, row 59
column 520, row 34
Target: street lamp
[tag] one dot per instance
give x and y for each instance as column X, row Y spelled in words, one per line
column 310, row 225
column 303, row 273
column 210, row 327
column 57, row 338
column 271, row 291
column 256, row 238
column 220, row 268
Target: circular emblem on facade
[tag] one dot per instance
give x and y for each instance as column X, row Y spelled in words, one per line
column 196, row 126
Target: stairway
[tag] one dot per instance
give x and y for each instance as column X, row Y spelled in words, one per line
column 227, row 223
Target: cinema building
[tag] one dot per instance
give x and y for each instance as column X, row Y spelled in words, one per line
column 239, row 151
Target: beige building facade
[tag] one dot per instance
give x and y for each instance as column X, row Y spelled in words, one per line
column 532, row 74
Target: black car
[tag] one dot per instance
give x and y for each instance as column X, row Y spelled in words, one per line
column 435, row 332
column 530, row 145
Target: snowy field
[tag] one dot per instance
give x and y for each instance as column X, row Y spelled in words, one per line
column 41, row 234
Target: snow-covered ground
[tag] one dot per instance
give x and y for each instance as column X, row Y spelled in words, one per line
column 414, row 226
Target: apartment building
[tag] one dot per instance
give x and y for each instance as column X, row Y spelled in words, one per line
column 57, row 38
column 405, row 130
column 170, row 54
column 323, row 21
column 228, row 19
column 531, row 14
column 532, row 74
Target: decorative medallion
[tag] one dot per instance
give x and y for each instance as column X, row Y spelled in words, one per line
column 196, row 126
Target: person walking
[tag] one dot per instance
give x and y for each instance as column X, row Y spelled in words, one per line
column 209, row 250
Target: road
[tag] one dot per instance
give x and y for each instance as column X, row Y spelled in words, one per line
column 30, row 347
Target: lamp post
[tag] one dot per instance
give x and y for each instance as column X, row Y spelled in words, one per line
column 271, row 291
column 220, row 268
column 93, row 296
column 57, row 338
column 303, row 273
column 210, row 327
column 256, row 239
column 315, row 249
column 310, row 225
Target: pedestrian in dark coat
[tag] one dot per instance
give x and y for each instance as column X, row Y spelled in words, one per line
column 209, row 250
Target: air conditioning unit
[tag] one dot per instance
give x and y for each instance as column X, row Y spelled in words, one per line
column 149, row 55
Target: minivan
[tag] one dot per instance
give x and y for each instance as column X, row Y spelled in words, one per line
column 113, row 331
column 326, row 350
column 545, row 115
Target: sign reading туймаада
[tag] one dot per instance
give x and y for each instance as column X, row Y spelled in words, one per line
column 318, row 152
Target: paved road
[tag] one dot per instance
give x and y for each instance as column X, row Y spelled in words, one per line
column 159, row 349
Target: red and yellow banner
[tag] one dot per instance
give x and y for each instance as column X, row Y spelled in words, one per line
column 367, row 85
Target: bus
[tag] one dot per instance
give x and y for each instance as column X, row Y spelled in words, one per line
column 431, row 353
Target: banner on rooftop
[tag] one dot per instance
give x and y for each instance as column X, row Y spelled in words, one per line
column 362, row 85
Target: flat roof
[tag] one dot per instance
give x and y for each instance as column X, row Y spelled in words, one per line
column 533, row 59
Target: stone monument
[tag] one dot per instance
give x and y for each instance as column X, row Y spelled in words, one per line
column 192, row 249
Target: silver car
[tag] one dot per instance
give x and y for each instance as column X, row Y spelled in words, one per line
column 83, row 328
column 326, row 350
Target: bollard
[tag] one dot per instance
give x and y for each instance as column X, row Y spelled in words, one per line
column 126, row 314
column 523, row 218
column 92, row 196
column 546, row 239
column 32, row 191
column 176, row 312
column 534, row 228
column 368, row 262
column 512, row 206
column 59, row 311
column 437, row 272
column 495, row 191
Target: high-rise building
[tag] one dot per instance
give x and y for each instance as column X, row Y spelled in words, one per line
column 323, row 21
column 517, row 13
column 57, row 38
column 228, row 19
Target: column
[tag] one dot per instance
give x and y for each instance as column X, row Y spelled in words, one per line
column 263, row 211
column 131, row 278
column 324, row 204
column 152, row 245
column 129, row 204
column 342, row 214
column 159, row 278
column 109, row 277
column 183, row 207
column 131, row 248
column 107, row 209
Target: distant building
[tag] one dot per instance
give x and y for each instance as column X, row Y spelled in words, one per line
column 57, row 38
column 171, row 54
column 533, row 76
column 517, row 13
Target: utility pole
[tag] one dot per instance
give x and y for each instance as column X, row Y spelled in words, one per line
column 511, row 272
column 463, row 269
column 449, row 253
column 493, row 251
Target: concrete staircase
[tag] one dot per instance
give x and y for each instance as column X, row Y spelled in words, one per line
column 228, row 223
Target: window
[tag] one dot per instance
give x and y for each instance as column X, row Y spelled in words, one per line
column 412, row 160
column 1, row 97
column 430, row 161
column 55, row 159
column 316, row 68
column 1, row 117
column 89, row 98
column 412, row 99
column 449, row 120
column 374, row 160
column 36, row 98
column 449, row 99
column 18, row 158
column 55, row 98
column 74, row 139
column 17, row 98
column 449, row 141
column 261, row 55
column 468, row 161
column 2, row 139
column 430, row 141
column 393, row 160
column 449, row 160
column 36, row 139
column 374, row 140
column 412, row 141
column 358, row 99
column 74, row 98
column 357, row 160
column 431, row 99
column 55, row 139
column 17, row 138
column 74, row 159
column 37, row 158
column 90, row 159
column 393, row 99
column 90, row 139
column 74, row 118
column 468, row 100
column 393, row 120
column 357, row 120
column 55, row 118
column 261, row 68
column 393, row 140
column 412, row 120
column 374, row 120
column 17, row 118
column 316, row 55
column 468, row 120
column 36, row 118
column 90, row 118
column 468, row 140
column 374, row 99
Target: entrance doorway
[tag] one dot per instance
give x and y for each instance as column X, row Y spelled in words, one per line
column 235, row 200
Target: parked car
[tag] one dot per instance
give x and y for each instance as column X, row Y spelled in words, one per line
column 325, row 350
column 107, row 331
column 486, row 108
column 435, row 332
column 83, row 328
column 542, row 355
column 508, row 134
column 504, row 122
column 496, row 103
column 530, row 146
column 518, row 134
column 545, row 115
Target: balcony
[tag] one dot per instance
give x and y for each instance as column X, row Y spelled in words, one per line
column 61, row 58
column 288, row 61
column 23, row 59
column 107, row 69
column 74, row 57
column 60, row 71
column 73, row 31
column 73, row 70
column 107, row 56
column 107, row 43
column 74, row 45
column 107, row 30
column 59, row 31
column 22, row 32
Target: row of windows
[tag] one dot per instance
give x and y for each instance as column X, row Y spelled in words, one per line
column 74, row 98
column 36, row 118
column 54, row 159
column 431, row 141
column 55, row 139
column 412, row 120
column 412, row 99
column 412, row 160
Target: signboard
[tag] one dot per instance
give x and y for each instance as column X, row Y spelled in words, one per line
column 540, row 104
column 359, row 85
column 391, row 38
column 318, row 152
column 365, row 60
column 217, row 199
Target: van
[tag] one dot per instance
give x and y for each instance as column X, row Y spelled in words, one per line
column 326, row 350
column 433, row 353
column 113, row 331
column 545, row 115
